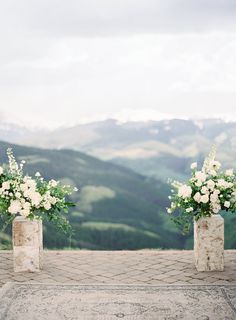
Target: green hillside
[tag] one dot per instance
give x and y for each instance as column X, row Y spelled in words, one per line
column 117, row 208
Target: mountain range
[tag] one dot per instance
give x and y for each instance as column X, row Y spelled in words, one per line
column 122, row 171
column 159, row 149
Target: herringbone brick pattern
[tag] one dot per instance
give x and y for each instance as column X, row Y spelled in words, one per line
column 152, row 267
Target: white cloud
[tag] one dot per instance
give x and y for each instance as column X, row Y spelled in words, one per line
column 73, row 61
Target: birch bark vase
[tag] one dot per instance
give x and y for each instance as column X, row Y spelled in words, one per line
column 27, row 245
column 209, row 243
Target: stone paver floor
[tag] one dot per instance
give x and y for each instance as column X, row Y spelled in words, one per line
column 152, row 267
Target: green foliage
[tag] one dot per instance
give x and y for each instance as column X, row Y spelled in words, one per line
column 129, row 216
column 32, row 198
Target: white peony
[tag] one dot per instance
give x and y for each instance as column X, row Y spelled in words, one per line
column 185, row 191
column 197, row 197
column 193, row 165
column 201, row 176
column 227, row 204
column 15, row 207
column 229, row 172
column 204, row 198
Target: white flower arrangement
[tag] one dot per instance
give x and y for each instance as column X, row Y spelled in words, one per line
column 32, row 198
column 208, row 192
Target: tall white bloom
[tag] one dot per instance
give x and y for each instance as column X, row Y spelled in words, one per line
column 1, row 170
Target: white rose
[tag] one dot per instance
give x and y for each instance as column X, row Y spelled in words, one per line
column 193, row 165
column 205, row 198
column 204, row 190
column 53, row 183
column 216, row 208
column 26, row 205
column 227, row 204
column 198, row 183
column 229, row 172
column 201, row 176
column 214, row 198
column 224, row 184
column 31, row 184
column 25, row 212
column 1, row 170
column 36, row 198
column 47, row 206
column 185, row 191
column 6, row 185
column 211, row 184
column 15, row 207
column 197, row 197
column 23, row 187
column 53, row 200
column 189, row 209
column 18, row 194
column 215, row 165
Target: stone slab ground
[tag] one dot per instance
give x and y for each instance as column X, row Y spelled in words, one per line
column 151, row 267
column 21, row 301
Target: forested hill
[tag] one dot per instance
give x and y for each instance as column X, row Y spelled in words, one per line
column 117, row 208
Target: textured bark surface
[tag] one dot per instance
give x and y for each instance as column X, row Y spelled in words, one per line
column 209, row 243
column 27, row 245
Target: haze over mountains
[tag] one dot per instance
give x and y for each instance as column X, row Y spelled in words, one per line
column 124, row 194
column 160, row 149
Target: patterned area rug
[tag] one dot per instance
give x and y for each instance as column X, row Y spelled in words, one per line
column 104, row 302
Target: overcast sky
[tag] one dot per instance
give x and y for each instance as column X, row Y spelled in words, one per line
column 64, row 62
